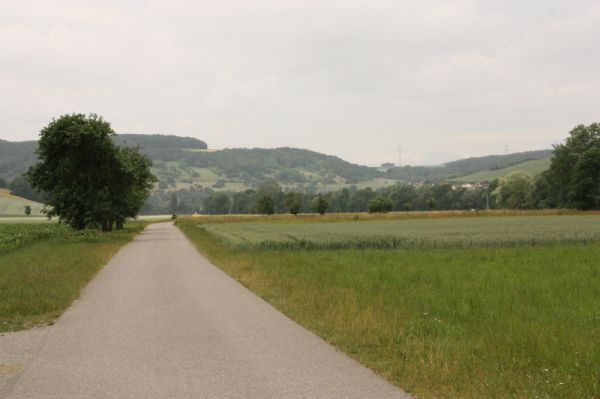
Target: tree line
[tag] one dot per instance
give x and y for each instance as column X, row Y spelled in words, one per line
column 573, row 181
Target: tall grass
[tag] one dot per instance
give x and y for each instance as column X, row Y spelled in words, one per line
column 442, row 323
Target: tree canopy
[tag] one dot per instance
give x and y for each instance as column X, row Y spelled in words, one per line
column 575, row 169
column 85, row 178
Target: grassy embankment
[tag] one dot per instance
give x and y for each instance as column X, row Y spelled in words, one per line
column 519, row 321
column 44, row 267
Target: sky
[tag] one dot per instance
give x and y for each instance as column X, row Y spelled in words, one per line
column 442, row 79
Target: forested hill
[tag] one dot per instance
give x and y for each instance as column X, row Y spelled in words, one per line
column 16, row 158
column 185, row 162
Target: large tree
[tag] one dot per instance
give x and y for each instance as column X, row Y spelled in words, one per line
column 85, row 178
column 574, row 170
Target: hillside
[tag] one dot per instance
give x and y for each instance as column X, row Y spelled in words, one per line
column 12, row 205
column 532, row 167
column 16, row 158
column 464, row 167
column 185, row 163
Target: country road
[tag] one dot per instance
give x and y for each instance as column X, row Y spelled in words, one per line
column 160, row 321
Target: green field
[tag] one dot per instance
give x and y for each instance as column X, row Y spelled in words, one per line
column 531, row 167
column 415, row 233
column 461, row 320
column 13, row 205
column 43, row 268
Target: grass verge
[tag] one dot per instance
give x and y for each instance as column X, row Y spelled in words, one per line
column 469, row 323
column 40, row 280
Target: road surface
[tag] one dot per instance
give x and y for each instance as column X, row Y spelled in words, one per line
column 160, row 321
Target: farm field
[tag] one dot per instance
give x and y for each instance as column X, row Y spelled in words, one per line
column 43, row 267
column 413, row 233
column 13, row 205
column 463, row 317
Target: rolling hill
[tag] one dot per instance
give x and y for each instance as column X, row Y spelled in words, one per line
column 11, row 205
column 532, row 167
column 186, row 163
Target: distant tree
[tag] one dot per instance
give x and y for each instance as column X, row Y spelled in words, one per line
column 218, row 204
column 3, row 183
column 173, row 203
column 408, row 206
column 27, row 210
column 293, row 201
column 265, row 205
column 380, row 204
column 514, row 191
column 574, row 173
column 85, row 178
column 267, row 197
column 585, row 184
column 320, row 204
column 242, row 202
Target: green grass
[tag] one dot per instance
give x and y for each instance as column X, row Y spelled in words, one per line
column 40, row 277
column 532, row 167
column 491, row 322
column 14, row 236
column 411, row 233
column 13, row 205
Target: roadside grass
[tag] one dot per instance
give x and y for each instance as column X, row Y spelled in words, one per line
column 38, row 281
column 471, row 323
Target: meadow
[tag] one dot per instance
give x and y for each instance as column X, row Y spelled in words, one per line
column 453, row 315
column 44, row 267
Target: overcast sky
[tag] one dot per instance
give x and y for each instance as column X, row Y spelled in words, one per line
column 443, row 79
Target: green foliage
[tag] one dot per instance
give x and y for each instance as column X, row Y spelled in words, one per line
column 85, row 178
column 574, row 170
column 14, row 236
column 293, row 201
column 380, row 204
column 320, row 204
column 265, row 205
column 217, row 204
column 412, row 233
column 27, row 210
column 514, row 191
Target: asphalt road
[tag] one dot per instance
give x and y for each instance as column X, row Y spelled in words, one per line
column 160, row 321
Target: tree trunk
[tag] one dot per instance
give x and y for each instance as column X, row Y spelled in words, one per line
column 119, row 224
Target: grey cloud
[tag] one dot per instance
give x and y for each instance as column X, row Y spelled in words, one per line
column 351, row 78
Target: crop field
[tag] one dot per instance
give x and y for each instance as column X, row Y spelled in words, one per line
column 13, row 205
column 415, row 233
column 468, row 307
